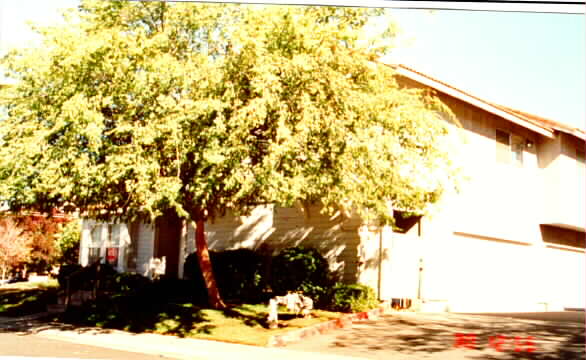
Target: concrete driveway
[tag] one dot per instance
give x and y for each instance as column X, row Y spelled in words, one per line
column 405, row 335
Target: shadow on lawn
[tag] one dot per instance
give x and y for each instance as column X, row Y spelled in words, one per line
column 17, row 302
column 430, row 333
column 254, row 319
column 173, row 319
column 251, row 317
column 179, row 319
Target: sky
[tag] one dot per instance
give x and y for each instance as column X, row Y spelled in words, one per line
column 529, row 61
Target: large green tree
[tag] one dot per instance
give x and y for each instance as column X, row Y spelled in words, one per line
column 134, row 110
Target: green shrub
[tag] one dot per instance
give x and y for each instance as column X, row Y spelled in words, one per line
column 66, row 271
column 352, row 298
column 238, row 273
column 128, row 282
column 84, row 278
column 170, row 289
column 67, row 243
column 301, row 269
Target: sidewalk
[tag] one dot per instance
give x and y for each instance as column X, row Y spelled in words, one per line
column 178, row 348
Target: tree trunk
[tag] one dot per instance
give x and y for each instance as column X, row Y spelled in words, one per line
column 203, row 257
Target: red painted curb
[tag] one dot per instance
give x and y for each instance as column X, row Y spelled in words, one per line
column 342, row 322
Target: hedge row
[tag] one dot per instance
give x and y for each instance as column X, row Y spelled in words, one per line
column 242, row 275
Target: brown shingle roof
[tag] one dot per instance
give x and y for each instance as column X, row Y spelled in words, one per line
column 547, row 122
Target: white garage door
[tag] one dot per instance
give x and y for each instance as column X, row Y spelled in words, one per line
column 481, row 275
column 565, row 277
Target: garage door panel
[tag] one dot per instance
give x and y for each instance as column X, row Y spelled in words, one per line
column 482, row 275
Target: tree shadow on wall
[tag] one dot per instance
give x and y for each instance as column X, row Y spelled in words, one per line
column 335, row 237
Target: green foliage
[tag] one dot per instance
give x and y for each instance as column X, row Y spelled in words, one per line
column 128, row 282
column 88, row 277
column 130, row 312
column 245, row 324
column 134, row 109
column 352, row 298
column 300, row 269
column 239, row 274
column 20, row 302
column 131, row 109
column 67, row 242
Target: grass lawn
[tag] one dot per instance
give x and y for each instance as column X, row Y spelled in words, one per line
column 245, row 324
column 158, row 312
column 25, row 298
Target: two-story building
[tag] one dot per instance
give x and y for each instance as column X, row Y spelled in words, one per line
column 513, row 238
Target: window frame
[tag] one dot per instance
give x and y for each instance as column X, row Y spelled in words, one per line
column 512, row 150
column 109, row 250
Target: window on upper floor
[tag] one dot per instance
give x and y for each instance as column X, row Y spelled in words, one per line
column 509, row 148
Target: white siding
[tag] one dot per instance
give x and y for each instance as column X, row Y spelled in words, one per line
column 84, row 243
column 145, row 248
column 270, row 228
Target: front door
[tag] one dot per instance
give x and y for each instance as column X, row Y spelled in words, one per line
column 167, row 242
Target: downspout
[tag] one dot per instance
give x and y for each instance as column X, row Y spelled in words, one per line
column 182, row 248
column 381, row 251
column 420, row 273
column 380, row 262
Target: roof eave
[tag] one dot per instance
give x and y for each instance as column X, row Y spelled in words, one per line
column 473, row 101
column 579, row 135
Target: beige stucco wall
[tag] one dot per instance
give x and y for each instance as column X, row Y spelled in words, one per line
column 563, row 277
column 373, row 258
column 482, row 249
column 496, row 199
column 564, row 177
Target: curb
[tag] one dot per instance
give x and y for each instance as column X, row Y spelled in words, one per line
column 322, row 328
column 31, row 317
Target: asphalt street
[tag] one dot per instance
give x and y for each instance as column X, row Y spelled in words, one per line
column 409, row 336
column 396, row 336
